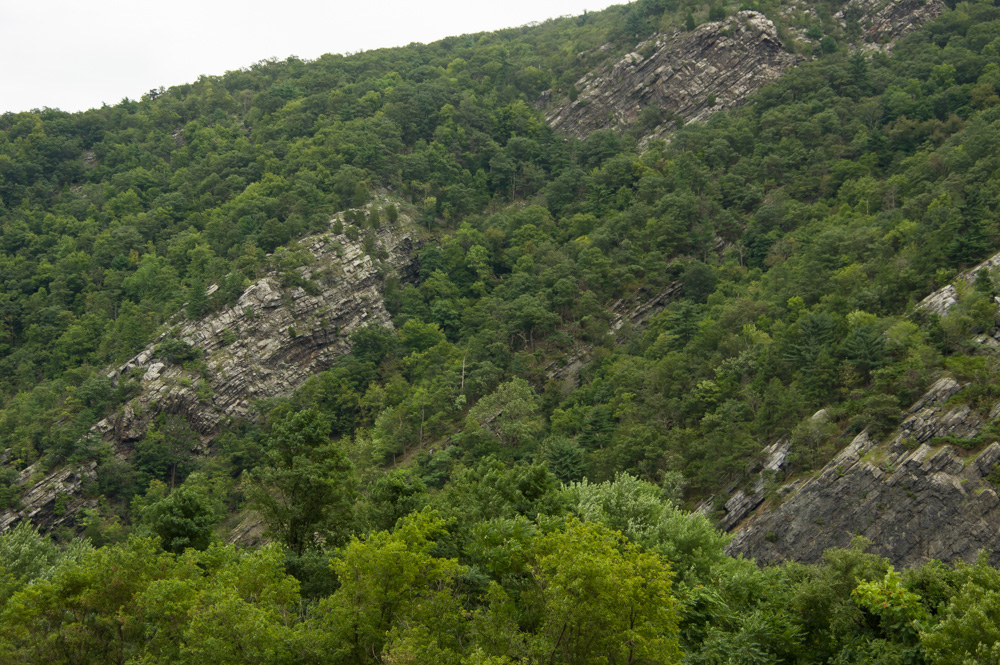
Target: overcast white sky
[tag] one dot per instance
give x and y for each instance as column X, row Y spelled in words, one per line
column 78, row 54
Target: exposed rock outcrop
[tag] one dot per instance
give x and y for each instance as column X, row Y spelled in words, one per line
column 885, row 21
column 941, row 301
column 913, row 499
column 627, row 314
column 269, row 342
column 53, row 499
column 718, row 65
column 741, row 503
column 691, row 74
column 266, row 345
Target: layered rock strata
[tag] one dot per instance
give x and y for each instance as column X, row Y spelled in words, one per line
column 716, row 66
column 915, row 498
column 269, row 342
column 266, row 345
column 885, row 21
column 941, row 301
column 691, row 75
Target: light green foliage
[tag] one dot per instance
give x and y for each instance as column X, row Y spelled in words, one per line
column 969, row 627
column 393, row 592
column 85, row 611
column 241, row 611
column 129, row 603
column 742, row 618
column 490, row 489
column 641, row 511
column 604, row 600
column 26, row 556
column 899, row 610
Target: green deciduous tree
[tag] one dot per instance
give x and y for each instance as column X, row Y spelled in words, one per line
column 510, row 412
column 394, row 595
column 304, row 490
column 181, row 519
column 605, row 600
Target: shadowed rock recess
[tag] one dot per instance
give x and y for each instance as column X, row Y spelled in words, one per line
column 266, row 345
column 914, row 497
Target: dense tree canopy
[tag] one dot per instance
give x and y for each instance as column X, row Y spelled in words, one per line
column 501, row 475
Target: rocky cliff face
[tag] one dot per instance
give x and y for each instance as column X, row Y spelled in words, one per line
column 691, row 75
column 269, row 343
column 915, row 498
column 266, row 345
column 941, row 301
column 885, row 21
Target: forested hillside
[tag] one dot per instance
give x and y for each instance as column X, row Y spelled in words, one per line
column 583, row 338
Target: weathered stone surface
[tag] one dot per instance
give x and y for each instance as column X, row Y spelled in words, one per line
column 633, row 312
column 249, row 532
column 885, row 21
column 913, row 504
column 53, row 500
column 714, row 67
column 941, row 301
column 741, row 503
column 266, row 345
column 727, row 60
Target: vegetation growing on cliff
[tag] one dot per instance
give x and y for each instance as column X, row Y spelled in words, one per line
column 443, row 494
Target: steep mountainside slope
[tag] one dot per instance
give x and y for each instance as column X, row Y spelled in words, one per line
column 270, row 341
column 585, row 307
column 912, row 496
column 927, row 490
column 286, row 327
column 691, row 75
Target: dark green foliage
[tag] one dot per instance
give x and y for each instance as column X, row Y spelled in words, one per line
column 165, row 453
column 176, row 351
column 881, row 413
column 389, row 497
column 864, row 347
column 698, row 280
column 304, row 488
column 181, row 519
column 564, row 458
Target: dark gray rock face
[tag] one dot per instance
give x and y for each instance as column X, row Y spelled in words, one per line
column 720, row 62
column 266, row 345
column 742, row 503
column 914, row 502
